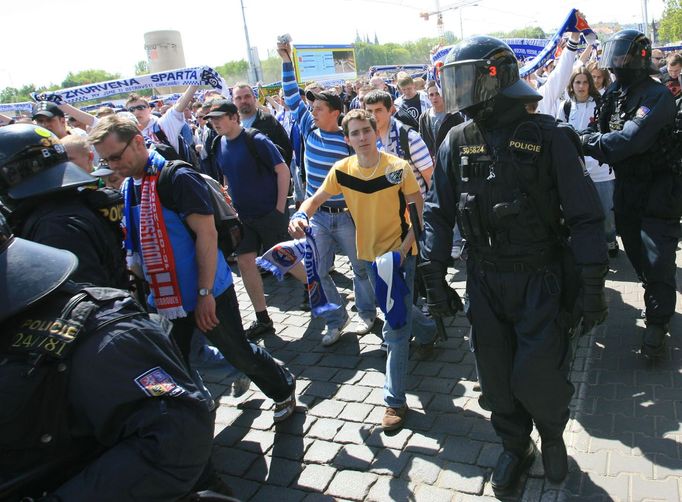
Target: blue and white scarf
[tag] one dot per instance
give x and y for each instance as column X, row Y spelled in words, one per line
column 390, row 289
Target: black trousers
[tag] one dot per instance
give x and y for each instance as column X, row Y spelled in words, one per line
column 273, row 379
column 651, row 244
column 522, row 350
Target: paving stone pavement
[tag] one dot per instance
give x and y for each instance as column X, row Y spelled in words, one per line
column 624, row 437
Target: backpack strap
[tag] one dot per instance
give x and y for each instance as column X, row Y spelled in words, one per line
column 250, row 140
column 567, row 108
column 404, row 140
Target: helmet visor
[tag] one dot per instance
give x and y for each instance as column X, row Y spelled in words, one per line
column 468, row 83
column 625, row 54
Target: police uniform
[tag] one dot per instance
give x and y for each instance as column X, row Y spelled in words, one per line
column 96, row 401
column 635, row 123
column 508, row 178
column 54, row 202
column 86, row 222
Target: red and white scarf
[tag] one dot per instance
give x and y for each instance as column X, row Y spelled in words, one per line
column 155, row 245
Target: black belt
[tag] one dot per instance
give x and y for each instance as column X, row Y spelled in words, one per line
column 333, row 210
column 530, row 264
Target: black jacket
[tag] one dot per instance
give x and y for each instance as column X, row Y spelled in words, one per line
column 432, row 143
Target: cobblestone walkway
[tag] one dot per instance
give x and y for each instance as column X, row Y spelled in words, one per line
column 624, row 438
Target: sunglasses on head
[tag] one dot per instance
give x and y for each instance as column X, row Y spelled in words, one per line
column 137, row 107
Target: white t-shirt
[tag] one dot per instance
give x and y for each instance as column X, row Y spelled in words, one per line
column 579, row 117
column 171, row 123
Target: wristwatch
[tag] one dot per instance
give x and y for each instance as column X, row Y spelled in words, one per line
column 205, row 292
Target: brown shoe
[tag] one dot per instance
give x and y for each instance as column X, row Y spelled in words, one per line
column 394, row 418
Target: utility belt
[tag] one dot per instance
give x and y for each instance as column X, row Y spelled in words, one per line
column 533, row 263
column 333, row 210
column 472, row 217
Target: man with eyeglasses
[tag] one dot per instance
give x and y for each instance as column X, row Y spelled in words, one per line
column 172, row 237
column 658, row 58
column 171, row 129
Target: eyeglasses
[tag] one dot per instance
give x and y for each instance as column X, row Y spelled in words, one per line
column 137, row 107
column 201, row 117
column 117, row 157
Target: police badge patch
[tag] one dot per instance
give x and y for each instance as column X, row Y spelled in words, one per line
column 395, row 177
column 156, row 382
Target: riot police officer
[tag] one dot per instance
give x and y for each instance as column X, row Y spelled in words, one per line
column 56, row 203
column 635, row 137
column 509, row 179
column 96, row 401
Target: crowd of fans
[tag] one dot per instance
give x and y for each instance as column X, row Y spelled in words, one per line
column 266, row 153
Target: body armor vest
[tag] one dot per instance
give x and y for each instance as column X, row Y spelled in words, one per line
column 508, row 202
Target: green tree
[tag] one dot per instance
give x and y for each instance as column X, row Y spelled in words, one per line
column 14, row 95
column 670, row 26
column 141, row 67
column 528, row 32
column 234, row 71
column 88, row 77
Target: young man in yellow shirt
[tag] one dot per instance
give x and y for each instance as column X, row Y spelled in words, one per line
column 377, row 188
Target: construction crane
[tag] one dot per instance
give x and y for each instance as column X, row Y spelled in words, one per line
column 439, row 16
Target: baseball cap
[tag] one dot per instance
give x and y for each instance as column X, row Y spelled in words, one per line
column 46, row 109
column 332, row 99
column 221, row 107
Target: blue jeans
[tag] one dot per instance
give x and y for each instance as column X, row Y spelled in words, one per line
column 298, row 184
column 398, row 340
column 605, row 191
column 334, row 231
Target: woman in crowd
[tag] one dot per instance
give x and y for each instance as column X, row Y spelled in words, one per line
column 578, row 111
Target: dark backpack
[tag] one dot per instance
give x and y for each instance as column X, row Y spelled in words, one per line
column 249, row 139
column 404, row 140
column 567, row 109
column 185, row 152
column 403, row 116
column 227, row 223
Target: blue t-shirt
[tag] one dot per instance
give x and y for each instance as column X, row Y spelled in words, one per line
column 190, row 196
column 252, row 186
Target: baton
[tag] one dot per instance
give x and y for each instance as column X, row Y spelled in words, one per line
column 417, row 229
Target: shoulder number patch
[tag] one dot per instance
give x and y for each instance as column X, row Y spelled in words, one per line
column 156, row 382
column 473, row 150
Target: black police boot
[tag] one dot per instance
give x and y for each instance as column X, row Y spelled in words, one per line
column 555, row 460
column 510, row 467
column 653, row 342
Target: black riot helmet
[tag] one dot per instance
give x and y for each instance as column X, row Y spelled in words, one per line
column 33, row 162
column 29, row 271
column 628, row 50
column 478, row 69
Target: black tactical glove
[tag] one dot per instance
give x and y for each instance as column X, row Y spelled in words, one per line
column 593, row 301
column 441, row 299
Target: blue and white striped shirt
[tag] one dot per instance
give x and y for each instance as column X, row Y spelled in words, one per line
column 322, row 149
column 419, row 158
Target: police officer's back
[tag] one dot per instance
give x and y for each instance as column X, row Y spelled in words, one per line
column 638, row 138
column 508, row 178
column 96, row 401
column 56, row 203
